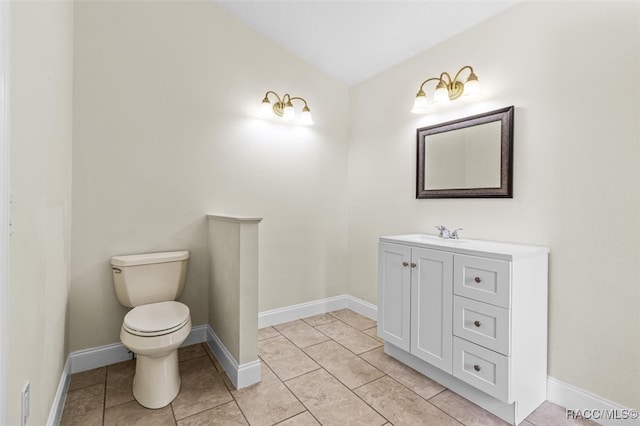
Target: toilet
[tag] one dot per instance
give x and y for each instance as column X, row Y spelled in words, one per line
column 157, row 325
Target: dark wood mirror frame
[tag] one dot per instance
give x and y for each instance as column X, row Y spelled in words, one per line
column 505, row 116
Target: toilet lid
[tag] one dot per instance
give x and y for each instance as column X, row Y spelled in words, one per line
column 156, row 318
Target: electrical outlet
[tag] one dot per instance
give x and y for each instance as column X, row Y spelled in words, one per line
column 26, row 403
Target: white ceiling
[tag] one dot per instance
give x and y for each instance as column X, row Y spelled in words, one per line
column 356, row 39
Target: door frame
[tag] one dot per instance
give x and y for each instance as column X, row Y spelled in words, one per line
column 5, row 32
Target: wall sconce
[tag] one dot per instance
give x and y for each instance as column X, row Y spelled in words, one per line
column 447, row 89
column 283, row 107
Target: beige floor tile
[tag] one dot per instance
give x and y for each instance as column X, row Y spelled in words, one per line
column 84, row 407
column 373, row 332
column 319, row 319
column 465, row 411
column 400, row 405
column 224, row 415
column 88, row 378
column 550, row 414
column 189, row 352
column 267, row 402
column 284, row 358
column 302, row 334
column 354, row 319
column 330, row 402
column 267, row 333
column 134, row 414
column 120, row 383
column 201, row 388
column 352, row 339
column 422, row 385
column 350, row 369
column 302, row 419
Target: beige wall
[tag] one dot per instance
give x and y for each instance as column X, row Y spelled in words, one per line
column 165, row 131
column 571, row 70
column 40, row 126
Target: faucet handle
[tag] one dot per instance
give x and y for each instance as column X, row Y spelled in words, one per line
column 444, row 231
column 454, row 233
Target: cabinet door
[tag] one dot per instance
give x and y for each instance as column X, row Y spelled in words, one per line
column 394, row 291
column 432, row 307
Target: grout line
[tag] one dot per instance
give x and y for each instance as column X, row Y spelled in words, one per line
column 443, row 390
column 104, row 397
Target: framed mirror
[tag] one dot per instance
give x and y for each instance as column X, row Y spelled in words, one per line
column 471, row 157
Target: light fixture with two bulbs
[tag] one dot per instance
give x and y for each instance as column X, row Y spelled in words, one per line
column 283, row 108
column 447, row 89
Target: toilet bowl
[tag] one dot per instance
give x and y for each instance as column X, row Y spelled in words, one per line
column 157, row 325
column 154, row 332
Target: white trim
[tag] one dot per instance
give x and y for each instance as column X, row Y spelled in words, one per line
column 574, row 398
column 322, row 306
column 302, row 310
column 5, row 23
column 242, row 375
column 367, row 309
column 55, row 414
column 558, row 392
column 88, row 359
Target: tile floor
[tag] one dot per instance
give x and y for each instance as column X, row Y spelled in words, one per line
column 327, row 369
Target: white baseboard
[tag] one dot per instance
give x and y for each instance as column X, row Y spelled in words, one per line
column 558, row 392
column 322, row 306
column 367, row 309
column 241, row 375
column 89, row 359
column 302, row 310
column 55, row 414
column 602, row 411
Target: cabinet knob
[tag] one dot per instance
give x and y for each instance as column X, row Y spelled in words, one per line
column 413, row 265
column 476, row 323
column 477, row 367
column 405, row 264
column 477, row 279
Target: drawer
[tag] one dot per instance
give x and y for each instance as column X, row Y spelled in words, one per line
column 481, row 323
column 485, row 280
column 482, row 368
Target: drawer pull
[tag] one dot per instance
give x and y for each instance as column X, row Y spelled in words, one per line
column 477, row 279
column 477, row 367
column 413, row 265
column 477, row 323
column 405, row 264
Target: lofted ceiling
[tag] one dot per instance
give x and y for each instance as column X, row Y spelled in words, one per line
column 354, row 40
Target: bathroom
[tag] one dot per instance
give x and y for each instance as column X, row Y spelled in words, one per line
column 132, row 121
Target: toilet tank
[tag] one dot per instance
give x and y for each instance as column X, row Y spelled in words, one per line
column 145, row 278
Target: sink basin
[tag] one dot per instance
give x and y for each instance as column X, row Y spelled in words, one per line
column 426, row 238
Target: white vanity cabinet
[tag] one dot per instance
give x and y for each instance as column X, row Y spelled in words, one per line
column 415, row 304
column 469, row 314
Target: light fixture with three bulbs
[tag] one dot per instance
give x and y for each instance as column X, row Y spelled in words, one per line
column 447, row 89
column 283, row 108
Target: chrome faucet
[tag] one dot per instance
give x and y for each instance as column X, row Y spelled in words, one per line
column 446, row 233
column 454, row 233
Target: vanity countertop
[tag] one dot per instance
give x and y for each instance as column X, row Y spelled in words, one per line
column 491, row 249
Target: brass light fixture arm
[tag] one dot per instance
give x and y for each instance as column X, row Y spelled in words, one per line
column 301, row 99
column 421, row 91
column 462, row 69
column 448, row 80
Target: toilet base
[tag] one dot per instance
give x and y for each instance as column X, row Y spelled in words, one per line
column 157, row 379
